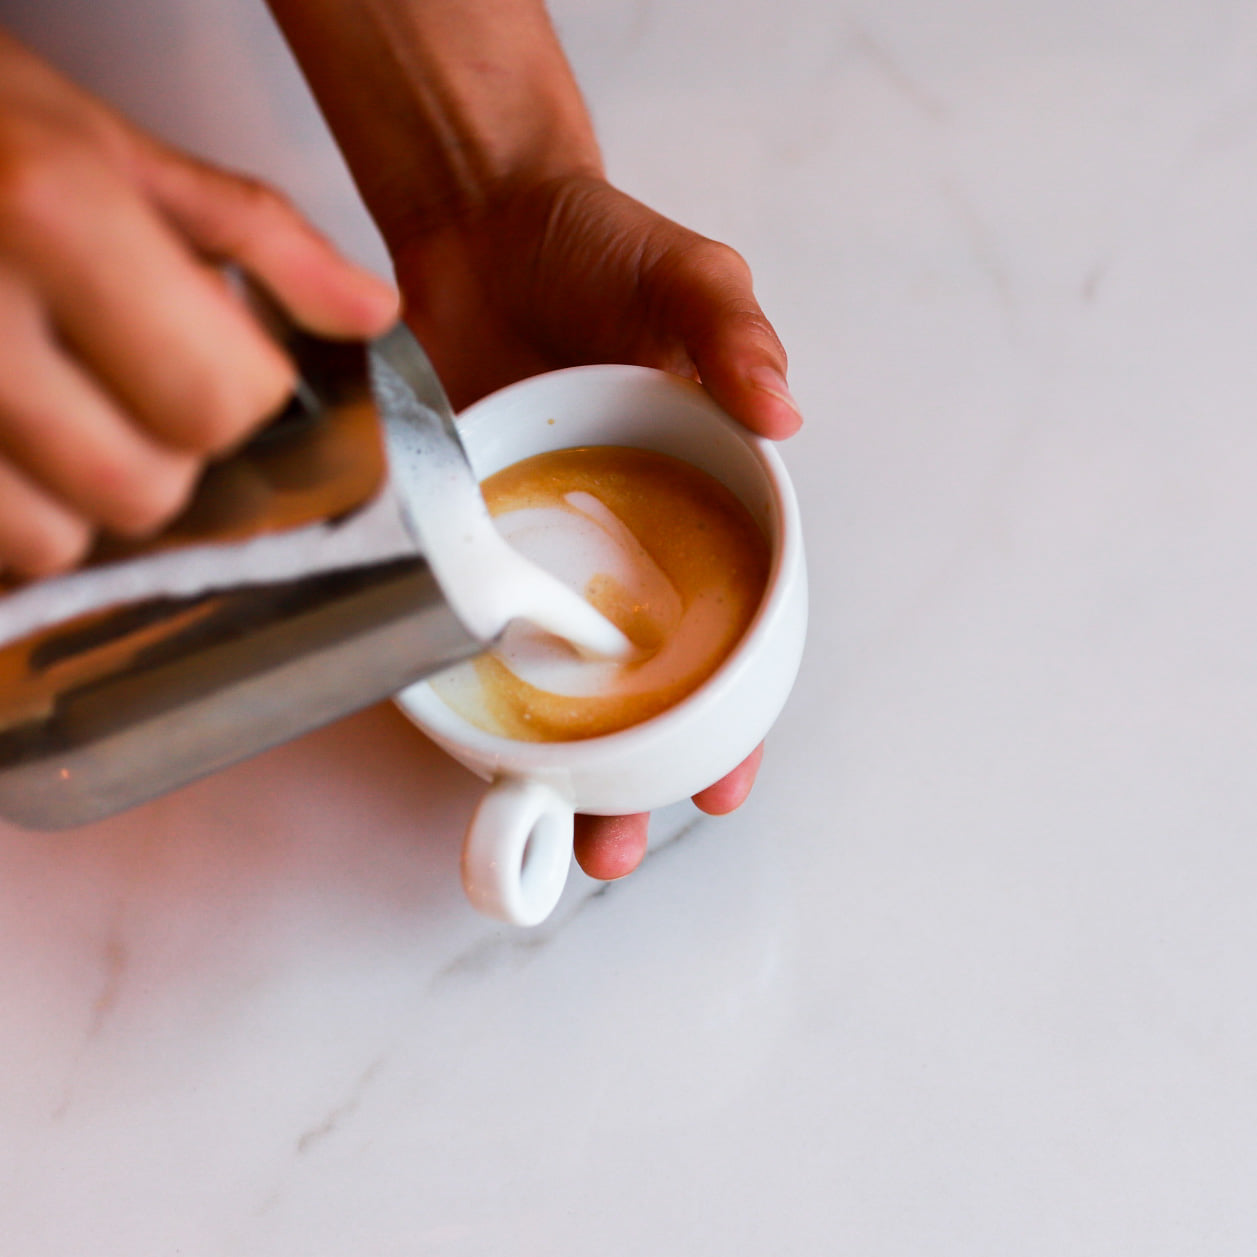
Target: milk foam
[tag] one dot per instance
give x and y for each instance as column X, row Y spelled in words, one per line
column 585, row 545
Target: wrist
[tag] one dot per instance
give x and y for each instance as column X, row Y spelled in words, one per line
column 442, row 108
column 466, row 175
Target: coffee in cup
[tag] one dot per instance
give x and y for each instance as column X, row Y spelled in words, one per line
column 661, row 548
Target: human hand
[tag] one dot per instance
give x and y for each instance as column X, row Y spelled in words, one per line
column 125, row 359
column 574, row 271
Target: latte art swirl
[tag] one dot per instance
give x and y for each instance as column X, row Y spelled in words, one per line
column 663, row 550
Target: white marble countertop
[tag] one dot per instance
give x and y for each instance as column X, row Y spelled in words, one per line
column 973, row 972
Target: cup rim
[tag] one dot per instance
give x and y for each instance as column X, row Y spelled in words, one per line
column 573, row 754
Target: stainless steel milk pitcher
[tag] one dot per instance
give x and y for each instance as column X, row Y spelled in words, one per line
column 297, row 615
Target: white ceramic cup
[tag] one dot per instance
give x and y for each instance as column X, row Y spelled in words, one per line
column 518, row 848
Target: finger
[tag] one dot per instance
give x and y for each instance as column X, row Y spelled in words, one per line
column 739, row 356
column 38, row 536
column 730, row 791
column 608, row 847
column 231, row 217
column 69, row 438
column 154, row 325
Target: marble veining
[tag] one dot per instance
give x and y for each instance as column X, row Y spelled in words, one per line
column 342, row 1113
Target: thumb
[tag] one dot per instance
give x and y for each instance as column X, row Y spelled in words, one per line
column 233, row 218
column 734, row 347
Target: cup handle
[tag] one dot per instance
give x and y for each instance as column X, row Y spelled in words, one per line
column 518, row 851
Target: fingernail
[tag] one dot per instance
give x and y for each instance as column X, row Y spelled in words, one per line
column 769, row 380
column 385, row 300
column 376, row 298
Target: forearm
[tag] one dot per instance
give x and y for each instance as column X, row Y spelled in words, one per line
column 440, row 105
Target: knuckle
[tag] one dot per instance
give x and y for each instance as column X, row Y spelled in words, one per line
column 714, row 260
column 28, row 189
column 260, row 209
column 40, row 180
column 258, row 195
column 705, row 271
column 750, row 321
column 729, row 259
column 728, row 275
